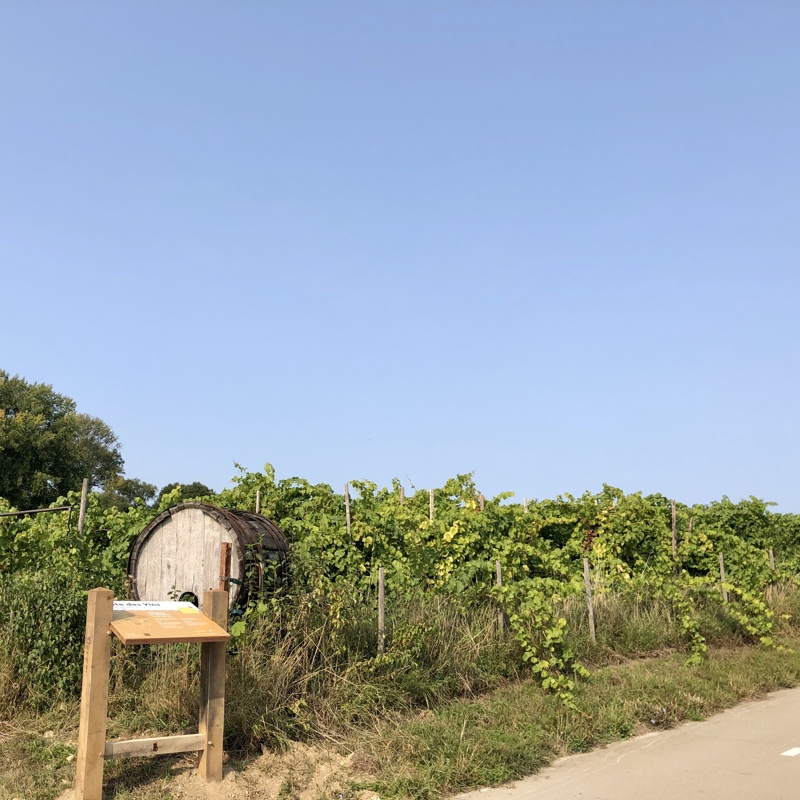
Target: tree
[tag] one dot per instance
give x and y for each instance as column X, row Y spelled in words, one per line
column 122, row 493
column 47, row 447
column 188, row 491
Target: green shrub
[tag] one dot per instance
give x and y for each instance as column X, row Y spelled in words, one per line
column 42, row 623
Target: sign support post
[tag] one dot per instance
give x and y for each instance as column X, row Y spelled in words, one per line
column 94, row 695
column 212, row 688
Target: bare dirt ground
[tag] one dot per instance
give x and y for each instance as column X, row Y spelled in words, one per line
column 301, row 773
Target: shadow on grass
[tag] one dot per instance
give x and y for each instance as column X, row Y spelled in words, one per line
column 134, row 777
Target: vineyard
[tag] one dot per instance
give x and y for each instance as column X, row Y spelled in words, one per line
column 441, row 551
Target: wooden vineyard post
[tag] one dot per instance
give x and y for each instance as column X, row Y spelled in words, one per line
column 674, row 531
column 771, row 560
column 225, row 550
column 94, row 695
column 525, row 504
column 381, row 612
column 431, row 506
column 501, row 615
column 212, row 688
column 82, row 511
column 587, row 579
column 258, row 501
column 722, row 579
column 482, row 501
column 347, row 510
column 402, row 496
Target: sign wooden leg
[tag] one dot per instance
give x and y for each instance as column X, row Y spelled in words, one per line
column 212, row 687
column 94, row 695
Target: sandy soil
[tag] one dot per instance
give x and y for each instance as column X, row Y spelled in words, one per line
column 301, row 773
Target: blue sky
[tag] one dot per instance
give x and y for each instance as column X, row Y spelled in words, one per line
column 553, row 244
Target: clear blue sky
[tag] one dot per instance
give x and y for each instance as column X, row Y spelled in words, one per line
column 553, row 243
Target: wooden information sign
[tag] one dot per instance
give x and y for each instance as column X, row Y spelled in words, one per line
column 147, row 622
column 143, row 622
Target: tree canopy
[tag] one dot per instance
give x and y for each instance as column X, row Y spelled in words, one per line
column 122, row 493
column 47, row 447
column 188, row 491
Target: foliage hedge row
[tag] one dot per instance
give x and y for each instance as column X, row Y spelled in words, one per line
column 46, row 567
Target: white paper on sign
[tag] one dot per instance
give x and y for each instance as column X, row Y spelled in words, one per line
column 151, row 605
column 795, row 751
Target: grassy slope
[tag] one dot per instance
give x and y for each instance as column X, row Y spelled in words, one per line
column 499, row 736
column 517, row 729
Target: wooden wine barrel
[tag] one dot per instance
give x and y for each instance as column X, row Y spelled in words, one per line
column 177, row 556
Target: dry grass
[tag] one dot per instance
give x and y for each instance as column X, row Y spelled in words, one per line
column 441, row 711
column 517, row 729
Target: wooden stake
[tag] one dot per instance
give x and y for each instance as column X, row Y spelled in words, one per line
column 347, row 510
column 224, row 566
column 402, row 496
column 381, row 613
column 258, row 501
column 501, row 616
column 94, row 695
column 431, row 506
column 771, row 560
column 587, row 579
column 691, row 524
column 212, row 688
column 84, row 498
column 525, row 504
column 722, row 579
column 674, row 531
column 482, row 502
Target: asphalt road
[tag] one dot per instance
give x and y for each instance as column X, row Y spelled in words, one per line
column 746, row 753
